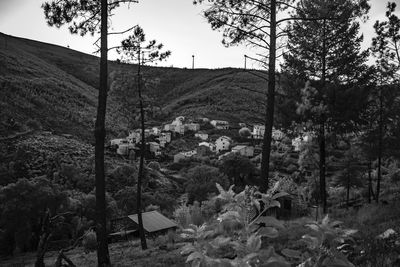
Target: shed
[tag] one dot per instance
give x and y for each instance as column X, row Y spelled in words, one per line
column 153, row 222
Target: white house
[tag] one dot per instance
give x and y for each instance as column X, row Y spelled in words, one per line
column 180, row 129
column 202, row 136
column 222, row 143
column 164, row 138
column 184, row 155
column 155, row 148
column 177, row 125
column 258, row 131
column 169, row 127
column 243, row 150
column 156, row 131
column 124, row 148
column 118, row 141
column 178, row 120
column 211, row 146
column 135, row 136
column 193, row 127
column 221, row 125
column 298, row 141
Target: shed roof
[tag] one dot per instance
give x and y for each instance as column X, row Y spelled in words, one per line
column 153, row 221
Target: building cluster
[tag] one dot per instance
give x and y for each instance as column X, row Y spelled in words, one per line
column 220, row 147
column 160, row 137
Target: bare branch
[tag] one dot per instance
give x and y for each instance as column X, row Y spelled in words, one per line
column 300, row 18
column 131, row 28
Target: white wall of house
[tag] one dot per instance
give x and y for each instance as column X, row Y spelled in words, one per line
column 193, row 127
column 246, row 151
column 222, row 143
column 202, row 136
column 258, row 131
column 222, row 125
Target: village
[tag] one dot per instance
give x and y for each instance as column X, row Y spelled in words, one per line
column 215, row 139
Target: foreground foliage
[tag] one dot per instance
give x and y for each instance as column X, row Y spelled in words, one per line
column 241, row 236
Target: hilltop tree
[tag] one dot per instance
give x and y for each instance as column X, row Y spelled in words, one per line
column 135, row 49
column 386, row 45
column 91, row 17
column 327, row 53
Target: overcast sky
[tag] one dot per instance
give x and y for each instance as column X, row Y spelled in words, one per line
column 178, row 24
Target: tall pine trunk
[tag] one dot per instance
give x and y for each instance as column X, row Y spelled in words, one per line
column 322, row 145
column 103, row 258
column 141, row 164
column 378, row 184
column 348, row 187
column 269, row 116
column 369, row 181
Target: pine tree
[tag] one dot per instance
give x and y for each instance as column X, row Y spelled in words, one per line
column 83, row 17
column 135, row 49
column 258, row 25
column 386, row 43
column 350, row 175
column 386, row 48
column 328, row 54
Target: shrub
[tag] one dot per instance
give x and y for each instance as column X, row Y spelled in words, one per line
column 89, row 241
column 182, row 216
column 154, row 165
column 202, row 181
column 33, row 124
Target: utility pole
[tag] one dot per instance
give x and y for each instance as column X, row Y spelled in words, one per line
column 245, row 61
column 192, row 62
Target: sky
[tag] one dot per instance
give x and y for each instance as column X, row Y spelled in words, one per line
column 178, row 24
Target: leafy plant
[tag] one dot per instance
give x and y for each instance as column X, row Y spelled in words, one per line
column 327, row 243
column 235, row 237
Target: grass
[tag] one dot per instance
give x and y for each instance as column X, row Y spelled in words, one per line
column 372, row 220
column 126, row 253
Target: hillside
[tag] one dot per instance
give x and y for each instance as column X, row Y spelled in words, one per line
column 56, row 86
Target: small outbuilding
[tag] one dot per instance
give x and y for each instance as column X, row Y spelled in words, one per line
column 154, row 222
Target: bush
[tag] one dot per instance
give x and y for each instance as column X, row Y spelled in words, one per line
column 33, row 124
column 201, row 182
column 182, row 216
column 154, row 165
column 89, row 241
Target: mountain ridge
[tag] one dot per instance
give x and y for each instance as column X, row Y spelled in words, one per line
column 57, row 87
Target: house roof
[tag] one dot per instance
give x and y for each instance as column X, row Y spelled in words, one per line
column 239, row 147
column 224, row 137
column 153, row 221
column 207, row 144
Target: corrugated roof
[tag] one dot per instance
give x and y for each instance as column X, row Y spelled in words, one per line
column 154, row 221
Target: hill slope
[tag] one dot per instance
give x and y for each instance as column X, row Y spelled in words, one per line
column 57, row 87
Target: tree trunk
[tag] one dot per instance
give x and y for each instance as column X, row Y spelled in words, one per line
column 378, row 184
column 103, row 258
column 141, row 164
column 348, row 189
column 322, row 154
column 269, row 116
column 44, row 239
column 369, row 180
